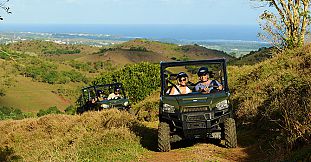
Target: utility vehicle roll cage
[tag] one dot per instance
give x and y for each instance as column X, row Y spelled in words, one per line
column 164, row 65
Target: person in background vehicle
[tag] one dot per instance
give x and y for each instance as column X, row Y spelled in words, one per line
column 206, row 85
column 100, row 95
column 182, row 79
column 115, row 95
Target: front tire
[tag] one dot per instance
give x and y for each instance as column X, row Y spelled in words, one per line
column 230, row 133
column 164, row 144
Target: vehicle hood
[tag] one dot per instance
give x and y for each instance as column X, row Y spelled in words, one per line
column 114, row 102
column 195, row 99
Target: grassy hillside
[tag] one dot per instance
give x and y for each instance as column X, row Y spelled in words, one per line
column 139, row 50
column 104, row 136
column 55, row 72
column 271, row 100
column 274, row 98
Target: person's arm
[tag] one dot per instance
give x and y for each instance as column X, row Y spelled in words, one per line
column 197, row 88
column 202, row 88
column 110, row 96
column 219, row 85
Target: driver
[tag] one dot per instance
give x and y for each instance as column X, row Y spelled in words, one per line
column 206, row 85
column 182, row 88
column 115, row 95
column 100, row 95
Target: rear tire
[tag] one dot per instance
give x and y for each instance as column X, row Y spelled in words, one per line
column 164, row 144
column 230, row 133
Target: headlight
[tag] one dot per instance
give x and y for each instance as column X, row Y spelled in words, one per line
column 222, row 105
column 168, row 108
column 105, row 106
column 126, row 103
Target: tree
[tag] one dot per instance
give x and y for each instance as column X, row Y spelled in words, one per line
column 286, row 27
column 5, row 7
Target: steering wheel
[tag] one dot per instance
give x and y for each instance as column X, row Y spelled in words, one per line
column 215, row 88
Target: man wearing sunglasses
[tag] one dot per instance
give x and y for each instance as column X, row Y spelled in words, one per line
column 205, row 85
column 182, row 88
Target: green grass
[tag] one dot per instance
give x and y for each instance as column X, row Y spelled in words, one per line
column 32, row 96
column 273, row 96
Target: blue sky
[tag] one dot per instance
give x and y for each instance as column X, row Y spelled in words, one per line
column 234, row 12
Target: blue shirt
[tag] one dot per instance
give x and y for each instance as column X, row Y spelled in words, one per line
column 202, row 86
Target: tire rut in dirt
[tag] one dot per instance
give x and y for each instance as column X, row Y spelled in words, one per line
column 164, row 137
column 230, row 133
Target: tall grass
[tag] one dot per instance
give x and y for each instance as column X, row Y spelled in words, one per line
column 94, row 136
column 275, row 97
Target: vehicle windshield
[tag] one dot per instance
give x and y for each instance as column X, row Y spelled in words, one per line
column 104, row 92
column 111, row 92
column 191, row 79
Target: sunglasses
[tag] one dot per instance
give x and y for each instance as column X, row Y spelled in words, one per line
column 183, row 79
column 203, row 75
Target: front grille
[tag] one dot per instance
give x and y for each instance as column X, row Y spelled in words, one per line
column 196, row 125
column 195, row 117
column 195, row 109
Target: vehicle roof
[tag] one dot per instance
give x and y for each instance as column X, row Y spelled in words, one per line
column 104, row 85
column 193, row 62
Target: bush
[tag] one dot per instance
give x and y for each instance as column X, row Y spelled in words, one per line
column 62, row 51
column 71, row 110
column 11, row 113
column 139, row 80
column 51, row 110
column 142, row 49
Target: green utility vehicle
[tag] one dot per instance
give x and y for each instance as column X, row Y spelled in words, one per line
column 197, row 114
column 101, row 97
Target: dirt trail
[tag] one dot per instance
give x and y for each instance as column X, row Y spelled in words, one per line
column 200, row 150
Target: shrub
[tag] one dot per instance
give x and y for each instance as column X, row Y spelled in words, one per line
column 51, row 110
column 11, row 113
column 62, row 51
column 139, row 80
column 71, row 110
column 142, row 49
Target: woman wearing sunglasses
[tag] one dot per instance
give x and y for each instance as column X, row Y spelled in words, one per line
column 181, row 88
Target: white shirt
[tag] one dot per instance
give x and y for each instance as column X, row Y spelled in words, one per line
column 113, row 96
column 176, row 92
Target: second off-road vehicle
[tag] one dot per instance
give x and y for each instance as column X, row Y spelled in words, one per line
column 99, row 97
column 196, row 114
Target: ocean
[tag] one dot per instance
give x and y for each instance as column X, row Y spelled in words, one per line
column 229, row 38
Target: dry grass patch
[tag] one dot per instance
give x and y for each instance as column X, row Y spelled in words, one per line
column 93, row 136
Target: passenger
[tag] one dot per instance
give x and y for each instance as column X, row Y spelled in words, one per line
column 182, row 88
column 100, row 95
column 116, row 94
column 206, row 85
